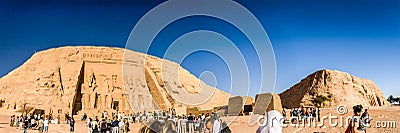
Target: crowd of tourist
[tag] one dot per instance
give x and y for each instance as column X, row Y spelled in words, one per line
column 118, row 123
column 159, row 121
column 203, row 123
column 304, row 114
column 170, row 122
column 37, row 122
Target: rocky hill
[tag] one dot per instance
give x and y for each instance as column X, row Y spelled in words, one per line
column 94, row 79
column 337, row 88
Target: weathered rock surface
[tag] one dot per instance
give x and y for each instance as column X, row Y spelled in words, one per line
column 94, row 79
column 339, row 87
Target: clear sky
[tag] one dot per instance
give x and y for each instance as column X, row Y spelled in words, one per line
column 361, row 37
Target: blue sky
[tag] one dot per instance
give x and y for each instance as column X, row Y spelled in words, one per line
column 361, row 37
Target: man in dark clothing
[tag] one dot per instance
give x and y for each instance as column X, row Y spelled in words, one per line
column 191, row 123
column 26, row 124
column 84, row 117
column 72, row 125
column 115, row 125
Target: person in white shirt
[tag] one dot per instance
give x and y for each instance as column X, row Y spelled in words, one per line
column 95, row 126
column 183, row 123
column 202, row 121
column 46, row 125
column 213, row 125
column 216, row 126
column 121, row 126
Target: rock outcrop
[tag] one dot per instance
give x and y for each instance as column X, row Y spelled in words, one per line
column 338, row 88
column 93, row 79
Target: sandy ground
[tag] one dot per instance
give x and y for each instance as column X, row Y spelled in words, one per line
column 241, row 125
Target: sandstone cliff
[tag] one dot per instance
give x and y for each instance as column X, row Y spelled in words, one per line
column 94, row 79
column 339, row 87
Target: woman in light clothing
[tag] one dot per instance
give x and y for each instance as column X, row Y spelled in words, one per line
column 46, row 125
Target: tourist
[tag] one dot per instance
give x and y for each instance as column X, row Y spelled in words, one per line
column 134, row 117
column 84, row 117
column 89, row 125
column 12, row 119
column 126, row 126
column 104, row 114
column 21, row 121
column 355, row 121
column 103, row 126
column 109, row 126
column 26, row 124
column 29, row 122
column 129, row 116
column 40, row 125
column 140, row 117
column 95, row 126
column 50, row 116
column 115, row 125
column 33, row 122
column 191, row 123
column 150, row 116
column 17, row 122
column 179, row 124
column 96, row 118
column 173, row 113
column 184, row 123
column 155, row 115
column 314, row 114
column 119, row 115
column 212, row 125
column 46, row 125
column 72, row 125
column 365, row 121
column 202, row 121
column 121, row 126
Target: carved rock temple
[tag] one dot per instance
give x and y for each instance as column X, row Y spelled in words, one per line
column 73, row 80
